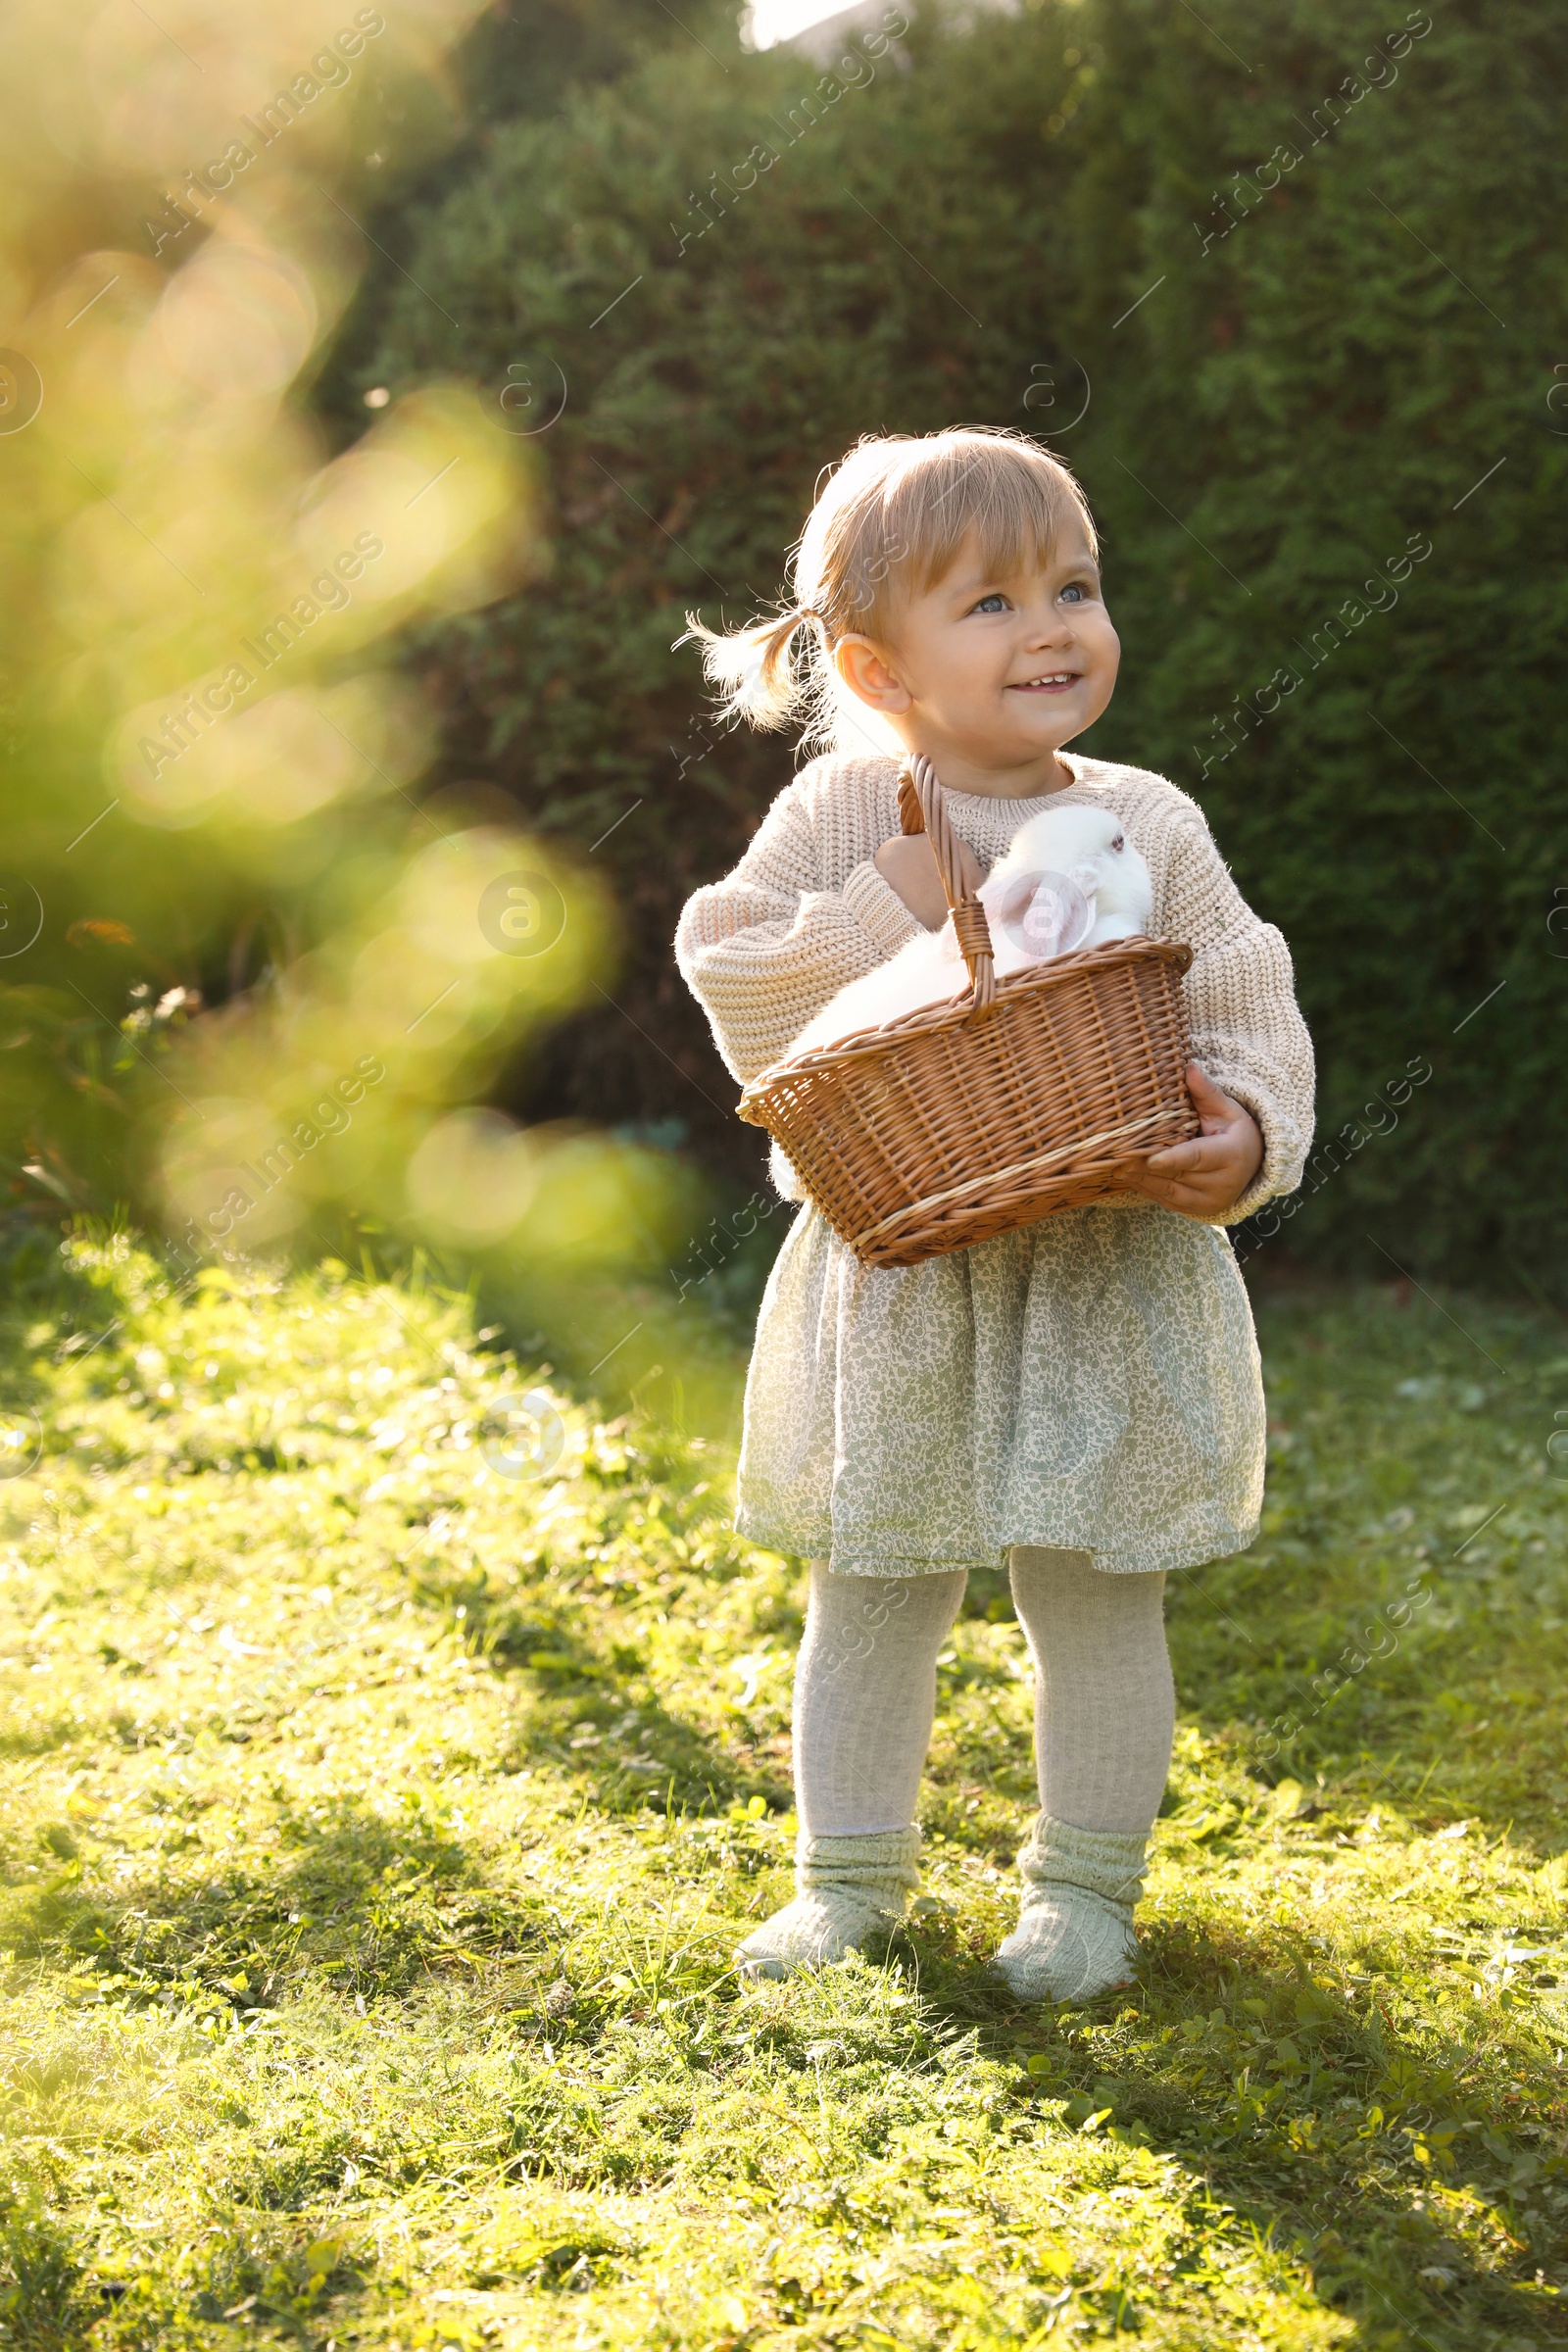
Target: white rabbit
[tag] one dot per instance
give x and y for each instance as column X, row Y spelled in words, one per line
column 1070, row 879
column 1089, row 848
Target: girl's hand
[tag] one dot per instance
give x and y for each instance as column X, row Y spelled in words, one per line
column 1202, row 1178
column 909, row 863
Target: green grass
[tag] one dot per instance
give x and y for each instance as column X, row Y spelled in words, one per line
column 376, row 1834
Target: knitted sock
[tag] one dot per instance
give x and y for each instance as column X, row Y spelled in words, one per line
column 1104, row 1715
column 865, row 1693
column 1074, row 1937
column 851, row 1891
column 1104, row 1703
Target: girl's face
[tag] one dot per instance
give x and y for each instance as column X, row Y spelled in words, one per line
column 990, row 677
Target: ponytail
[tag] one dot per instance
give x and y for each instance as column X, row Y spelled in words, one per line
column 758, row 668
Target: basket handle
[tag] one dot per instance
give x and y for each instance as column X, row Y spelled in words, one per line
column 922, row 810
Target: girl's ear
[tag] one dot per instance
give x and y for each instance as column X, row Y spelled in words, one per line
column 865, row 672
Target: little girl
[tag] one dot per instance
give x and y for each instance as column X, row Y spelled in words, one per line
column 1082, row 1397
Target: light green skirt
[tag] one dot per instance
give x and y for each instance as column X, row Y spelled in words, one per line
column 1090, row 1383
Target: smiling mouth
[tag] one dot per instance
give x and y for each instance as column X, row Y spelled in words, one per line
column 1054, row 681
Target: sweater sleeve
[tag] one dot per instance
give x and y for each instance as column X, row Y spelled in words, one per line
column 765, row 950
column 1246, row 1031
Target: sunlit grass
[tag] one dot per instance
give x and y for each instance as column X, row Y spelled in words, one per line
column 378, row 1829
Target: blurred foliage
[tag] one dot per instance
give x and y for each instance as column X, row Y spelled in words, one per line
column 521, row 60
column 524, row 56
column 248, row 979
column 1299, row 375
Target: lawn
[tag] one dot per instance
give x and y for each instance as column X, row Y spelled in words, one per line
column 379, row 1826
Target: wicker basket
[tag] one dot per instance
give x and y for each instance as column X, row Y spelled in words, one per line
column 1037, row 1092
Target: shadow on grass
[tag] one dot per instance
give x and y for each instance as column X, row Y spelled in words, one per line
column 667, row 1764
column 1398, row 2181
column 350, row 1898
column 629, row 1753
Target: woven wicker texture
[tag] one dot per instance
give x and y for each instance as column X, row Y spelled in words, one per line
column 966, row 1119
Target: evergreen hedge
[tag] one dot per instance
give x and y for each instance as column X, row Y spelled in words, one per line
column 1303, row 262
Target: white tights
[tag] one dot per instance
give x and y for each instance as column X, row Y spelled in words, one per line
column 865, row 1693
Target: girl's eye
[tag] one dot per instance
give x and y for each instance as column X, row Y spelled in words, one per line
column 996, row 602
column 1076, row 592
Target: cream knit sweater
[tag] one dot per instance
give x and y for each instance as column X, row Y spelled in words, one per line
column 805, row 911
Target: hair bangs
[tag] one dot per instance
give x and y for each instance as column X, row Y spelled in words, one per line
column 1005, row 495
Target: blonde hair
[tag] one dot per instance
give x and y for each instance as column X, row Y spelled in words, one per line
column 889, row 522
